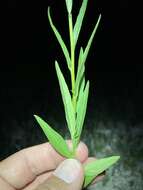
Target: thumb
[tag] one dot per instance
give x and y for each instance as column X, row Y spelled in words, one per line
column 69, row 175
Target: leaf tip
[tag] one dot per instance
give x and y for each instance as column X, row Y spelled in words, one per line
column 56, row 63
column 36, row 117
column 116, row 158
column 99, row 18
column 56, row 66
column 87, row 85
column 48, row 13
column 48, row 9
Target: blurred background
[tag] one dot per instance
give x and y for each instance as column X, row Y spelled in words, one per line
column 29, row 85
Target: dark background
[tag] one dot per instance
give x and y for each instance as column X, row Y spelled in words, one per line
column 28, row 82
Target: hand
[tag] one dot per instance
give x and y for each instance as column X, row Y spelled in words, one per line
column 42, row 168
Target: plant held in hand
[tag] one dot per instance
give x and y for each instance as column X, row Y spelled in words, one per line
column 75, row 103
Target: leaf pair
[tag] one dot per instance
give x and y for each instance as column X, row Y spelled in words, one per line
column 92, row 169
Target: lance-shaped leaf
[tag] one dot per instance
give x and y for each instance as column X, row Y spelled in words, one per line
column 90, row 40
column 55, row 139
column 82, row 86
column 80, row 72
column 60, row 40
column 79, row 20
column 69, row 4
column 81, row 109
column 96, row 167
column 69, row 111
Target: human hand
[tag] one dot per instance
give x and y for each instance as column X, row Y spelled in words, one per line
column 42, row 168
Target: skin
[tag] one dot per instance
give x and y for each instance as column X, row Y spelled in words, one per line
column 30, row 167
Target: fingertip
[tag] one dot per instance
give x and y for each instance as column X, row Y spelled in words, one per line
column 69, row 170
column 82, row 152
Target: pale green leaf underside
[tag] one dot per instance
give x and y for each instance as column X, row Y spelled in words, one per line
column 80, row 72
column 79, row 20
column 69, row 111
column 60, row 40
column 90, row 40
column 81, row 110
column 98, row 166
column 55, row 139
column 69, row 4
column 81, row 94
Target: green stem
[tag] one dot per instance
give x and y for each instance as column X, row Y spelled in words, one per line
column 72, row 60
column 72, row 71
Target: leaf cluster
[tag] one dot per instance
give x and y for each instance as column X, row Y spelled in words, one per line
column 75, row 103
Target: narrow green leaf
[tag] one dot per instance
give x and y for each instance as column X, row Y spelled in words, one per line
column 81, row 110
column 82, row 85
column 55, row 139
column 69, row 4
column 98, row 166
column 69, row 111
column 81, row 93
column 90, row 40
column 80, row 72
column 60, row 40
column 79, row 20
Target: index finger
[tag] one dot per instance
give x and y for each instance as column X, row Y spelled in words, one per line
column 24, row 166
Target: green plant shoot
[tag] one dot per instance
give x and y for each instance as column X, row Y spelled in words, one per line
column 75, row 103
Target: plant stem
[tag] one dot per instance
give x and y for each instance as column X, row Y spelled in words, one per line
column 72, row 61
column 72, row 71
